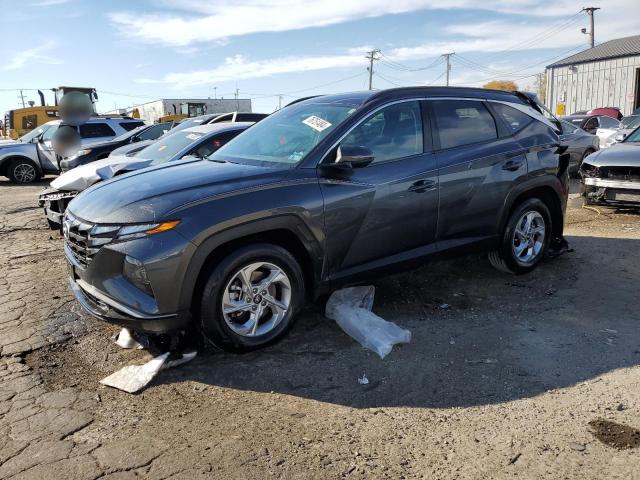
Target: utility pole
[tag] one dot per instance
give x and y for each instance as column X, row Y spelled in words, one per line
column 22, row 98
column 371, row 56
column 237, row 101
column 590, row 11
column 215, row 93
column 447, row 57
column 279, row 102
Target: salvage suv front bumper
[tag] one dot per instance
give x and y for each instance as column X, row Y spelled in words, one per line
column 613, row 192
column 55, row 203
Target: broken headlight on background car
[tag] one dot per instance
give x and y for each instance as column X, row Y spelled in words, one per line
column 588, row 170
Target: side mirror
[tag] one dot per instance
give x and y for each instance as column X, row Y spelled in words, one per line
column 135, row 139
column 354, row 156
column 620, row 137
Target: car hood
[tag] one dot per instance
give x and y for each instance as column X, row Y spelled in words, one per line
column 149, row 195
column 125, row 149
column 8, row 142
column 620, row 154
column 82, row 177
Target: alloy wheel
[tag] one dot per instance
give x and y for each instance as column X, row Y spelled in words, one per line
column 256, row 299
column 24, row 173
column 529, row 237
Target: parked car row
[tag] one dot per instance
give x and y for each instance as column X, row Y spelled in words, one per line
column 328, row 190
column 29, row 158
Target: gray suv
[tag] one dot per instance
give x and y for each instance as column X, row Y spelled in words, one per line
column 327, row 191
column 29, row 158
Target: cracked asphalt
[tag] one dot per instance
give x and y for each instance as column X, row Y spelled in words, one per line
column 505, row 377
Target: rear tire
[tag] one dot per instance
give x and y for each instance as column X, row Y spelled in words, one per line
column 23, row 171
column 251, row 298
column 525, row 238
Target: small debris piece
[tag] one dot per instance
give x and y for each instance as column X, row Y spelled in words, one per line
column 363, row 380
column 444, row 306
column 578, row 447
column 515, row 458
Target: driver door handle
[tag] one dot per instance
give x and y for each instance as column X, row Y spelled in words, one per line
column 422, row 186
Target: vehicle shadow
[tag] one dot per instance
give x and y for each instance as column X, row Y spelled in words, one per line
column 479, row 337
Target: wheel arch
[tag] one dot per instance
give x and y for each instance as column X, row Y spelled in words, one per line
column 547, row 193
column 294, row 236
column 6, row 161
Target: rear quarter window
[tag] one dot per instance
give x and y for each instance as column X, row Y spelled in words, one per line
column 513, row 118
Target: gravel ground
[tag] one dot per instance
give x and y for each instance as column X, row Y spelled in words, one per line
column 528, row 377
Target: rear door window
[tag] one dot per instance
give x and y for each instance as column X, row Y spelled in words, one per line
column 393, row 132
column 514, row 118
column 463, row 122
column 213, row 143
column 608, row 122
column 153, row 132
column 96, row 130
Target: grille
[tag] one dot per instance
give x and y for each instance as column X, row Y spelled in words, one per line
column 622, row 173
column 77, row 237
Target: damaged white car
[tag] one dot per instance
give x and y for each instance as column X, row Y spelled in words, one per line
column 191, row 144
column 612, row 176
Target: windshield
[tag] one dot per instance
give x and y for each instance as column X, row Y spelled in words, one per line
column 286, row 136
column 630, row 122
column 633, row 136
column 166, row 147
column 36, row 132
column 191, row 122
column 130, row 133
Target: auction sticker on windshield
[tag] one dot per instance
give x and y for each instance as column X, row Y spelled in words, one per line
column 193, row 136
column 316, row 123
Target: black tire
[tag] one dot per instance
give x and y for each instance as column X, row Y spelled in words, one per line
column 212, row 322
column 23, row 171
column 504, row 258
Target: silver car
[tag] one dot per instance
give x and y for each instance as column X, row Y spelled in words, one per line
column 30, row 157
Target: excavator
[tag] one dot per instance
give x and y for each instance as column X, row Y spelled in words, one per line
column 22, row 120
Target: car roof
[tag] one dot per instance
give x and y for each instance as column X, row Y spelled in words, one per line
column 219, row 127
column 361, row 97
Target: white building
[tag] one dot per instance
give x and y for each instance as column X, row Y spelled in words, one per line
column 151, row 111
column 607, row 75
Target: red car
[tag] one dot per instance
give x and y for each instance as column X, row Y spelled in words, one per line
column 613, row 112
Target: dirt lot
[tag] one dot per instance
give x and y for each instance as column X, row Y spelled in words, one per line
column 517, row 377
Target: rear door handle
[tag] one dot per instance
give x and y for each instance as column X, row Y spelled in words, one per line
column 512, row 165
column 422, row 186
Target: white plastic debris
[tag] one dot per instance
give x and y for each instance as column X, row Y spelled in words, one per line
column 351, row 309
column 124, row 339
column 363, row 380
column 133, row 378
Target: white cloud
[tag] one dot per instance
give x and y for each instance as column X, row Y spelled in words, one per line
column 238, row 67
column 35, row 54
column 205, row 21
column 49, row 3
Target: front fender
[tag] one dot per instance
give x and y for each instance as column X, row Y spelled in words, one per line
column 255, row 229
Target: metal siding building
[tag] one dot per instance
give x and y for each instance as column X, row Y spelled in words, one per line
column 607, row 75
column 151, row 111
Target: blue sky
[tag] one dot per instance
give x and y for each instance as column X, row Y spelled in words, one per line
column 135, row 51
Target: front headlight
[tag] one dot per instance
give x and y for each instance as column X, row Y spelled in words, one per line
column 108, row 233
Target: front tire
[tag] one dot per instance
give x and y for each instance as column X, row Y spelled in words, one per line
column 23, row 171
column 251, row 298
column 525, row 238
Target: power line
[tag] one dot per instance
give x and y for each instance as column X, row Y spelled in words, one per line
column 399, row 66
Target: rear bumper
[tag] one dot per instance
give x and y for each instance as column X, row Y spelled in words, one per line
column 109, row 310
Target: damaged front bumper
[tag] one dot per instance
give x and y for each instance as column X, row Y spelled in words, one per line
column 54, row 202
column 105, row 308
column 611, row 191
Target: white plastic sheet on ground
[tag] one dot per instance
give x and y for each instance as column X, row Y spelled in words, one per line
column 351, row 309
